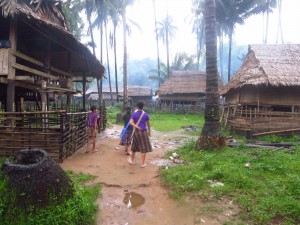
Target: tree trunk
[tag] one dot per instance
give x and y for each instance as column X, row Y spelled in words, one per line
column 107, row 59
column 229, row 54
column 211, row 135
column 157, row 46
column 125, row 94
column 34, row 179
column 116, row 67
column 168, row 50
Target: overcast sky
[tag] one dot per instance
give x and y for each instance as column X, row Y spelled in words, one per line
column 142, row 44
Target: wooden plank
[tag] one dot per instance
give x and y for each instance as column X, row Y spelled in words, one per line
column 39, row 63
column 277, row 132
column 4, row 61
column 34, row 71
column 25, row 78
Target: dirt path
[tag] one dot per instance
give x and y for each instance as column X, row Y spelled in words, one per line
column 119, row 179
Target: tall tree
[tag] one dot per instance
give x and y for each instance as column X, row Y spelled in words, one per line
column 125, row 93
column 232, row 12
column 166, row 31
column 157, row 45
column 71, row 8
column 266, row 7
column 183, row 62
column 115, row 12
column 125, row 3
column 198, row 26
column 211, row 136
column 91, row 6
column 279, row 27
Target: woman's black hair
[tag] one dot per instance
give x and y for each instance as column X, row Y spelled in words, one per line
column 140, row 105
column 93, row 107
column 128, row 109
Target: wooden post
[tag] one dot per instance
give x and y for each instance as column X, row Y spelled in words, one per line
column 44, row 101
column 69, row 102
column 84, row 92
column 22, row 108
column 10, row 99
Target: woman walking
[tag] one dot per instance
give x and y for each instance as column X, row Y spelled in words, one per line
column 126, row 141
column 92, row 128
column 140, row 120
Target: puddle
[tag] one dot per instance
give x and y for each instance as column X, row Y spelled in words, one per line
column 133, row 200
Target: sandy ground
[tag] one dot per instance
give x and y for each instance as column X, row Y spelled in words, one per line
column 150, row 202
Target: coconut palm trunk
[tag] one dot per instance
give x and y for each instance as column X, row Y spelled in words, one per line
column 116, row 63
column 168, row 50
column 157, row 46
column 125, row 94
column 229, row 53
column 211, row 136
column 108, row 67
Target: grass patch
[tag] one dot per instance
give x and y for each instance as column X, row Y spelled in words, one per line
column 80, row 209
column 173, row 122
column 162, row 121
column 268, row 190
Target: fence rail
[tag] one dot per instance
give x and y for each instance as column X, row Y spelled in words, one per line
column 59, row 133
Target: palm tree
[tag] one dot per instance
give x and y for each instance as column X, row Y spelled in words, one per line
column 230, row 12
column 279, row 28
column 166, row 31
column 71, row 8
column 183, row 62
column 198, row 26
column 157, row 46
column 163, row 74
column 124, row 5
column 114, row 13
column 267, row 6
column 211, row 136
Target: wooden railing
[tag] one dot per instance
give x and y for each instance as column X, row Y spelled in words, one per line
column 59, row 133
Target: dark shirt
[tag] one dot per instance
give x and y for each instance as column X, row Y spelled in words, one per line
column 126, row 119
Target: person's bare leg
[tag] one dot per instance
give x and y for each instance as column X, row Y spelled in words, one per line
column 88, row 145
column 143, row 160
column 94, row 144
column 131, row 158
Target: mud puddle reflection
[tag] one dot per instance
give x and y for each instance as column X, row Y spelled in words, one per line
column 133, row 200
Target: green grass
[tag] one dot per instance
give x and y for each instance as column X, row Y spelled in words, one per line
column 173, row 122
column 80, row 209
column 162, row 121
column 269, row 189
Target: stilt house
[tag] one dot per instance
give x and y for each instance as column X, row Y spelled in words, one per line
column 39, row 60
column 183, row 91
column 264, row 94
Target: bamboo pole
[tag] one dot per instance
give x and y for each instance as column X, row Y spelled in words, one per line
column 276, row 132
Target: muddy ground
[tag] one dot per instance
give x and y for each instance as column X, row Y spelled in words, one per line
column 132, row 195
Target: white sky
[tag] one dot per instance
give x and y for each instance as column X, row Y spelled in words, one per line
column 142, row 44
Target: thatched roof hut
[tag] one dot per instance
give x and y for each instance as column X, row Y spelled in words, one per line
column 267, row 65
column 135, row 94
column 268, row 82
column 184, row 90
column 39, row 53
column 183, row 82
